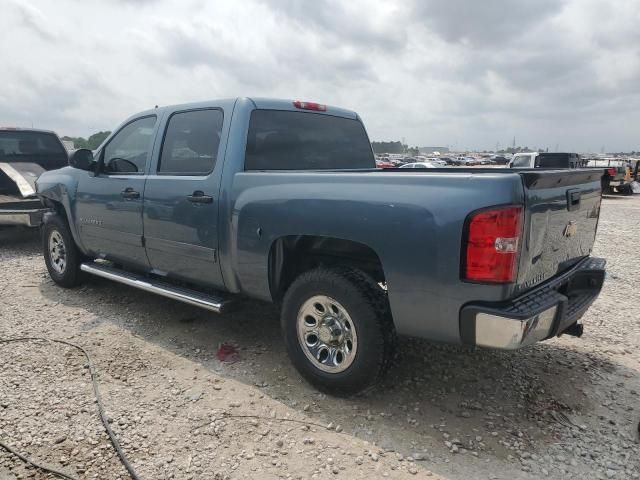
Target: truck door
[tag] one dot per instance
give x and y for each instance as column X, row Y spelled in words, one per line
column 109, row 203
column 181, row 197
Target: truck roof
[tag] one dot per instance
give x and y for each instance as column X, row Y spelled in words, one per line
column 19, row 129
column 262, row 104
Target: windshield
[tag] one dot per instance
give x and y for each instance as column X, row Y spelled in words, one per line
column 34, row 147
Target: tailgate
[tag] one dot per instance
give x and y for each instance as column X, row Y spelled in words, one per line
column 562, row 209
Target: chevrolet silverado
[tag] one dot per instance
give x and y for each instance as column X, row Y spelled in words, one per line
column 280, row 201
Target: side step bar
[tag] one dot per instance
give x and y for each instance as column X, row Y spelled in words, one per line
column 192, row 297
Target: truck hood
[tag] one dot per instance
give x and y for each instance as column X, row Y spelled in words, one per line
column 23, row 175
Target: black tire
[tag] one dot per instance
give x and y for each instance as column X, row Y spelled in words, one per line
column 69, row 275
column 367, row 306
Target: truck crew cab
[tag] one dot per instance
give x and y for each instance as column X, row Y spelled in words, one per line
column 281, row 201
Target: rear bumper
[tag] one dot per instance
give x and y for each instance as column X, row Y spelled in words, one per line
column 616, row 183
column 546, row 311
column 28, row 218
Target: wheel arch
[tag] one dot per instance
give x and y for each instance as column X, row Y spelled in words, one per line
column 292, row 255
column 59, row 207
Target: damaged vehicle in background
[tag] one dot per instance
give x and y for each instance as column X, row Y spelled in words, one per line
column 24, row 155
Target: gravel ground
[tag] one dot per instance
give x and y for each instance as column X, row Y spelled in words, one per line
column 567, row 408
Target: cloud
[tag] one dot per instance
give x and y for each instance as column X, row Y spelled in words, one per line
column 482, row 24
column 461, row 72
column 33, row 19
column 346, row 23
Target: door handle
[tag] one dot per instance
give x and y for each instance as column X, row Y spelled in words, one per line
column 199, row 197
column 130, row 193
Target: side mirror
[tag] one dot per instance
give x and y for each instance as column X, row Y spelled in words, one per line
column 82, row 159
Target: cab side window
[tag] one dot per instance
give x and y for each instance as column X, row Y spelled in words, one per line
column 191, row 142
column 128, row 151
column 521, row 161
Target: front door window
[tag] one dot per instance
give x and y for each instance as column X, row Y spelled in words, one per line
column 128, row 151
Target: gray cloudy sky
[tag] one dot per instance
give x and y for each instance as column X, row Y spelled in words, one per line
column 464, row 73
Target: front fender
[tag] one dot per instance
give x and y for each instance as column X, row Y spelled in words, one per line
column 57, row 189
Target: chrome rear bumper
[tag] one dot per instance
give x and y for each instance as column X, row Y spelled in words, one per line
column 543, row 312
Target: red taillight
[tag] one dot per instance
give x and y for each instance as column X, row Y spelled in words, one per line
column 318, row 107
column 611, row 172
column 492, row 245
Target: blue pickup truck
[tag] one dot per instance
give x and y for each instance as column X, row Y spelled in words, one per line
column 281, row 201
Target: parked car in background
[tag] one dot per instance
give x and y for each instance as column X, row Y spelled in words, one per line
column 419, row 165
column 619, row 175
column 437, row 161
column 615, row 178
column 468, row 161
column 25, row 153
column 281, row 201
column 385, row 164
column 546, row 160
column 499, row 159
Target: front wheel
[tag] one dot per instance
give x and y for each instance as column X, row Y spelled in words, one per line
column 61, row 254
column 337, row 329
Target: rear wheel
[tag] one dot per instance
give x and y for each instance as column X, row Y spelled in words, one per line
column 61, row 254
column 337, row 329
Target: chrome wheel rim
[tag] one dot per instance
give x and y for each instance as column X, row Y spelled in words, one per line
column 57, row 252
column 326, row 334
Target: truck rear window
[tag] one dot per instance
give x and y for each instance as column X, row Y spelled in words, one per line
column 559, row 160
column 283, row 140
column 34, row 147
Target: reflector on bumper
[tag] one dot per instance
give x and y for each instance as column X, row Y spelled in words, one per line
column 508, row 333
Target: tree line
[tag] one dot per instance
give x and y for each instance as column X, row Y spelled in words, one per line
column 91, row 143
column 393, row 147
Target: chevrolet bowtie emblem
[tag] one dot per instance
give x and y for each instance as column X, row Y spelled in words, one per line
column 570, row 230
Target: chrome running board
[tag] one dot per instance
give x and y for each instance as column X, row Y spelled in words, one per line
column 192, row 297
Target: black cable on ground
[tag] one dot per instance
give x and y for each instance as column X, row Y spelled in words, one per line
column 36, row 464
column 103, row 416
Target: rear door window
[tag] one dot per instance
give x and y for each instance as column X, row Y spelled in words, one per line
column 285, row 140
column 191, row 142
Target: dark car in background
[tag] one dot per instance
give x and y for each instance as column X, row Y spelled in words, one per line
column 24, row 155
column 499, row 159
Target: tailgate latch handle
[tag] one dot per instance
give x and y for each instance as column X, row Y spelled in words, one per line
column 573, row 200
